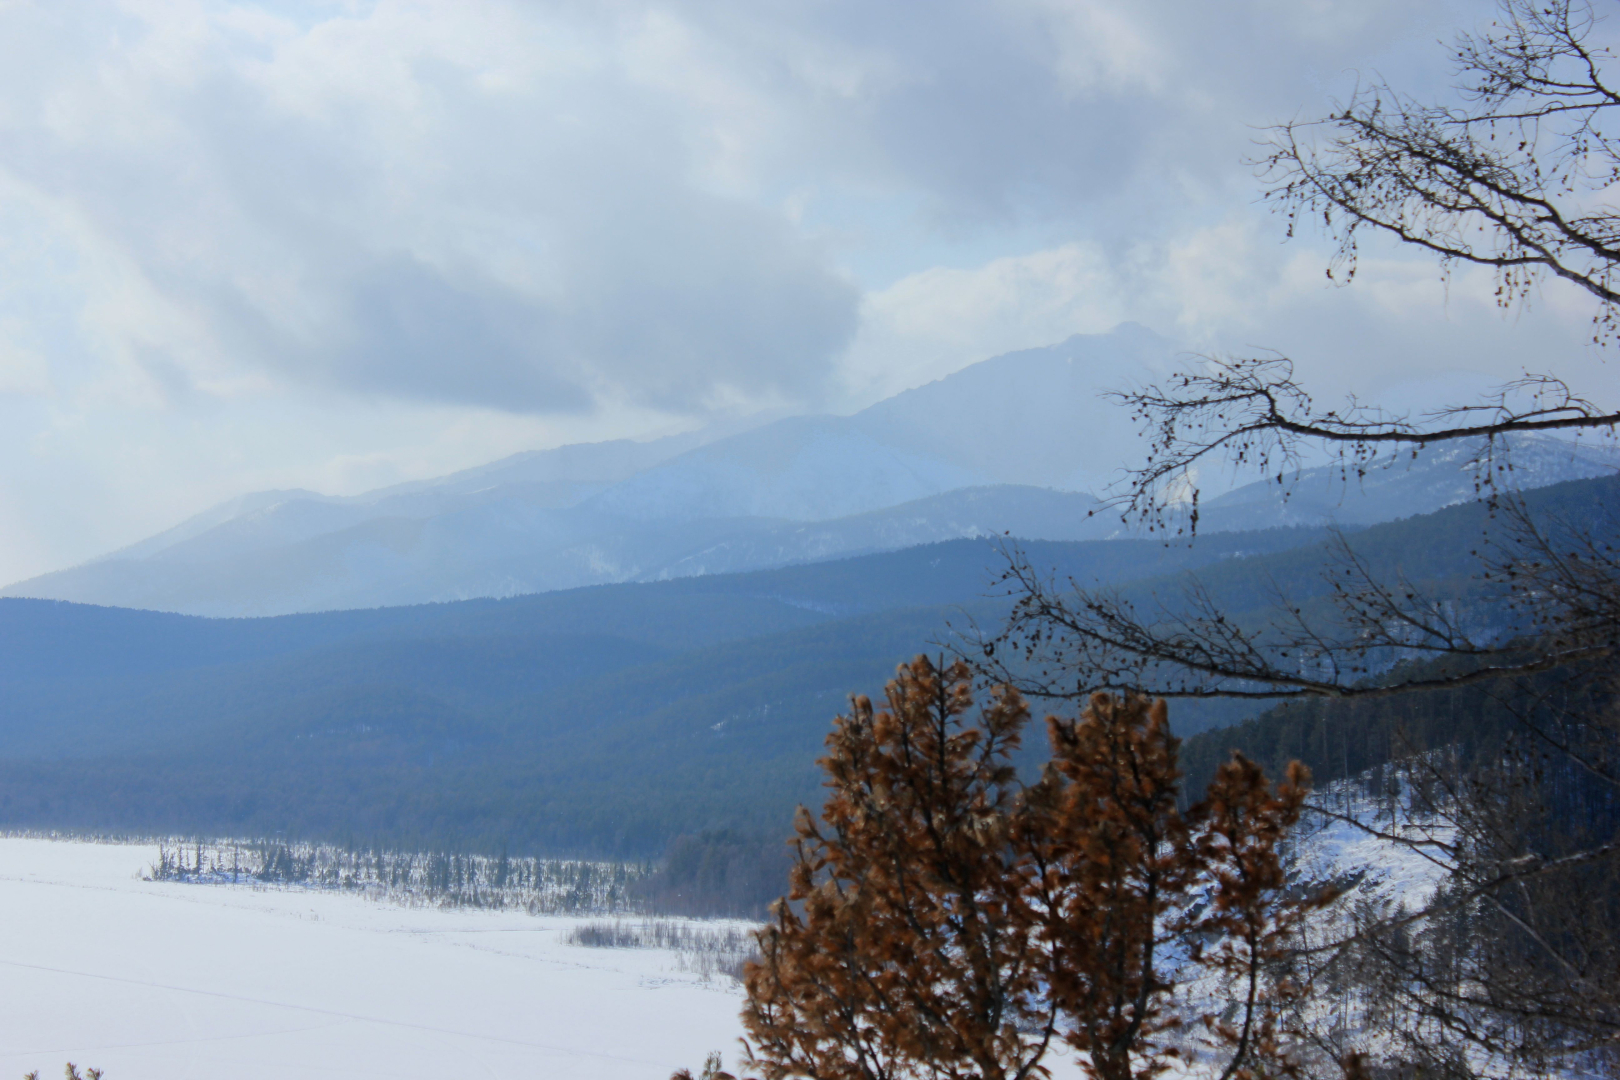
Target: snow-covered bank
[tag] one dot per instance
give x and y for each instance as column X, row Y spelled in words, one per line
column 152, row 979
column 170, row 980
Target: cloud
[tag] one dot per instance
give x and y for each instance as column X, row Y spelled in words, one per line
column 411, row 203
column 1231, row 288
column 934, row 322
column 333, row 243
column 546, row 207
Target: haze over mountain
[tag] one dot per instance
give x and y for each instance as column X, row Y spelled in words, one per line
column 1020, row 444
column 600, row 721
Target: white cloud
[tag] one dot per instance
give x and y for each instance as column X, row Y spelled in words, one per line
column 1231, row 288
column 336, row 242
column 1103, row 46
column 446, row 202
column 937, row 321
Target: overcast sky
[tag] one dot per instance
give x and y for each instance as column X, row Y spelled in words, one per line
column 339, row 245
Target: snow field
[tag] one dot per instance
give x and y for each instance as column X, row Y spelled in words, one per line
column 170, row 980
column 176, row 980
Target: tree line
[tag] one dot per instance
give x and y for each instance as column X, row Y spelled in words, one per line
column 454, row 879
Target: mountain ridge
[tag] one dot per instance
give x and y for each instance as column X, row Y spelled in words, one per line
column 1016, row 444
column 600, row 721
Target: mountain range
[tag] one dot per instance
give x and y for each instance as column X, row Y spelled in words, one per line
column 1020, row 444
column 604, row 720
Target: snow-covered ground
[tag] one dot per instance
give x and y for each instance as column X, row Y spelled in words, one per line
column 155, row 980
column 1368, row 862
column 174, row 980
column 150, row 980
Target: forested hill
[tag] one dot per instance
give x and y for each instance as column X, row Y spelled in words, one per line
column 604, row 720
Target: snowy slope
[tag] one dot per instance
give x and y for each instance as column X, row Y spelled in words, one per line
column 508, row 548
column 804, row 469
column 194, row 982
column 1350, row 849
column 1401, row 486
column 560, row 477
column 1034, row 417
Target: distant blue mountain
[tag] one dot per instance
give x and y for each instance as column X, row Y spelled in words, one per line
column 1021, row 444
column 604, row 720
column 796, row 489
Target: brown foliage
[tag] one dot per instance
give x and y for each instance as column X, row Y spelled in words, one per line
column 909, row 953
column 1116, row 859
column 1248, row 917
column 1127, row 872
column 944, row 921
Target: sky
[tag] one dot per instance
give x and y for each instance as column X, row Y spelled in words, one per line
column 341, row 245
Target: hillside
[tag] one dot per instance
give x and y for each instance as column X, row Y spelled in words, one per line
column 604, row 720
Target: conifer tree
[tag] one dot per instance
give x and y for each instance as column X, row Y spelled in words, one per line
column 1249, row 916
column 1119, row 860
column 1121, row 872
column 946, row 922
column 912, row 955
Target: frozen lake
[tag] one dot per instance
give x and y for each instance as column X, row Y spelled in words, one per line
column 169, row 981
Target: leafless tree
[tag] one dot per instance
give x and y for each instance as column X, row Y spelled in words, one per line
column 1511, row 968
column 1547, row 597
column 1513, row 178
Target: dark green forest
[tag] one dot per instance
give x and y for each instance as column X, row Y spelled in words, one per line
column 610, row 721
